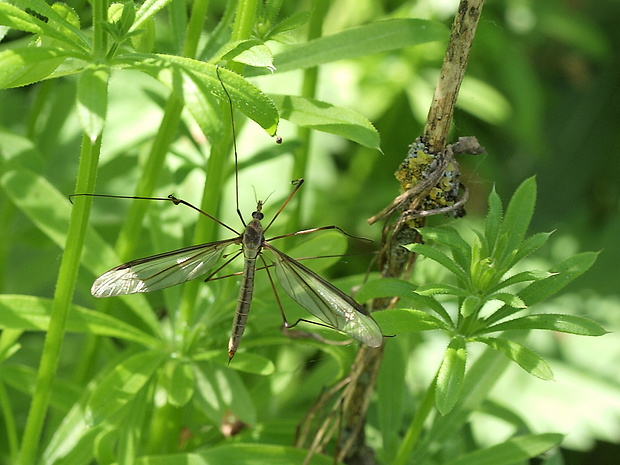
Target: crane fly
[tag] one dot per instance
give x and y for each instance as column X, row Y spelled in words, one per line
column 330, row 305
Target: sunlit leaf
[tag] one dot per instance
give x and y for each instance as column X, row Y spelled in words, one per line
column 450, row 375
column 524, row 357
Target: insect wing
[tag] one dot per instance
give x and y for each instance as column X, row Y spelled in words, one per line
column 328, row 303
column 159, row 271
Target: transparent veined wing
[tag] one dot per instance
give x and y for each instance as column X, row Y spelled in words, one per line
column 159, row 271
column 325, row 301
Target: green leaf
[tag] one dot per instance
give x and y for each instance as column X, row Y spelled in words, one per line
column 443, row 289
column 195, row 81
column 322, row 116
column 521, row 278
column 122, row 383
column 439, row 257
column 92, row 100
column 259, row 56
column 567, row 271
column 31, row 313
column 509, row 299
column 402, row 321
column 524, row 357
column 518, row 215
column 552, row 322
column 385, row 287
column 143, row 39
column 59, row 25
column 392, row 287
column 288, row 24
column 13, row 17
column 240, row 454
column 147, row 10
column 219, row 391
column 471, row 304
column 530, row 245
column 449, row 236
column 179, row 382
column 20, row 67
column 377, row 37
column 392, row 392
column 244, row 361
column 49, row 210
column 514, row 450
column 450, row 375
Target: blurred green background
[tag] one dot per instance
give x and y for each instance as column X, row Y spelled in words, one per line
column 540, row 94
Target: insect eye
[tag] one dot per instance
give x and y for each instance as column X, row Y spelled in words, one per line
column 258, row 216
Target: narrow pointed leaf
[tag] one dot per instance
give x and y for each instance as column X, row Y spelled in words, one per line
column 171, row 70
column 566, row 270
column 122, row 383
column 460, row 249
column 531, row 244
column 147, row 10
column 385, row 287
column 450, row 375
column 392, row 287
column 403, row 320
column 493, row 219
column 245, row 361
column 439, row 257
column 443, row 289
column 471, row 304
column 321, row 116
column 522, row 277
column 56, row 27
column 514, row 450
column 524, row 357
column 377, row 37
column 519, row 214
column 92, row 100
column 509, row 299
column 179, row 382
column 20, row 67
column 553, row 322
column 31, row 313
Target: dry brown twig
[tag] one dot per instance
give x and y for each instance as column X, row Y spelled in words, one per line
column 429, row 180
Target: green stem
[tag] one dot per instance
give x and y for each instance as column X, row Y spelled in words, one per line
column 309, row 86
column 126, row 243
column 206, row 229
column 244, row 20
column 9, row 424
column 67, row 275
column 151, row 171
column 216, row 167
column 194, row 28
column 156, row 158
column 100, row 17
column 415, row 427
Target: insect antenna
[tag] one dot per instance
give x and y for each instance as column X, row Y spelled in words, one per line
column 234, row 141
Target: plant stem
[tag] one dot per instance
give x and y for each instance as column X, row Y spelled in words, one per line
column 9, row 424
column 126, row 242
column 216, row 166
column 415, row 427
column 194, row 28
column 67, row 275
column 309, row 86
column 441, row 112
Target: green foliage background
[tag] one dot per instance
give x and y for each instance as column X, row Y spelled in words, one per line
column 540, row 95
